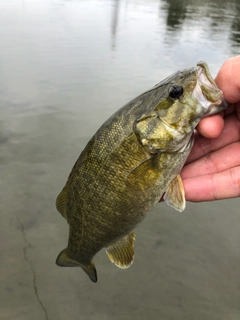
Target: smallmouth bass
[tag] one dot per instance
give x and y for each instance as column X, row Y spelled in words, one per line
column 133, row 159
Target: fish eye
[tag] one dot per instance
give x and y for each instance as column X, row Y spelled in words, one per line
column 175, row 91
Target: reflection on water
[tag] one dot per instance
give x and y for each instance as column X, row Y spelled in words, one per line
column 214, row 17
column 65, row 66
column 235, row 36
column 114, row 22
column 176, row 13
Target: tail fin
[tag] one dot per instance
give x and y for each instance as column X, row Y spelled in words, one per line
column 65, row 260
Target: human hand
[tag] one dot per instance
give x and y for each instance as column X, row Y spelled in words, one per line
column 212, row 170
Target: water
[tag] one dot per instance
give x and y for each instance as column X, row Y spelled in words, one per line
column 65, row 66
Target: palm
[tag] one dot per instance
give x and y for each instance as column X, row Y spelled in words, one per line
column 212, row 170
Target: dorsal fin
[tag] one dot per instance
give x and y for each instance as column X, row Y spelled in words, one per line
column 61, row 203
column 121, row 252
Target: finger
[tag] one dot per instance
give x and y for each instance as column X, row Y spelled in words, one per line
column 234, row 108
column 230, row 110
column 214, row 162
column 230, row 134
column 217, row 186
column 228, row 79
column 211, row 127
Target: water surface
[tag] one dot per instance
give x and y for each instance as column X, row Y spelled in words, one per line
column 65, row 67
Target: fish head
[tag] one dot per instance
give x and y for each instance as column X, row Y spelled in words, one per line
column 190, row 95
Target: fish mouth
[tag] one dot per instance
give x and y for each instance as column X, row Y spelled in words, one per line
column 207, row 92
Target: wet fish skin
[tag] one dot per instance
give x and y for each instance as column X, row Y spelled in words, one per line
column 132, row 160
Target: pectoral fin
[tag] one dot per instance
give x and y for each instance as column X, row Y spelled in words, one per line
column 121, row 252
column 64, row 259
column 175, row 195
column 146, row 173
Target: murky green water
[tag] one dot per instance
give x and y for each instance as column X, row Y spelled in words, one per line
column 65, row 66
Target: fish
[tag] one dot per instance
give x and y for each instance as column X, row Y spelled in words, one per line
column 132, row 161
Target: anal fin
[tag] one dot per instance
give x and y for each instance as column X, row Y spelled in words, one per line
column 175, row 195
column 121, row 252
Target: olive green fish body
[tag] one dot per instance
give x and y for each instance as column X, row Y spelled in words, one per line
column 131, row 161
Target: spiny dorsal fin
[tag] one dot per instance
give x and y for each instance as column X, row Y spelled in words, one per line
column 61, row 202
column 64, row 259
column 175, row 195
column 121, row 252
